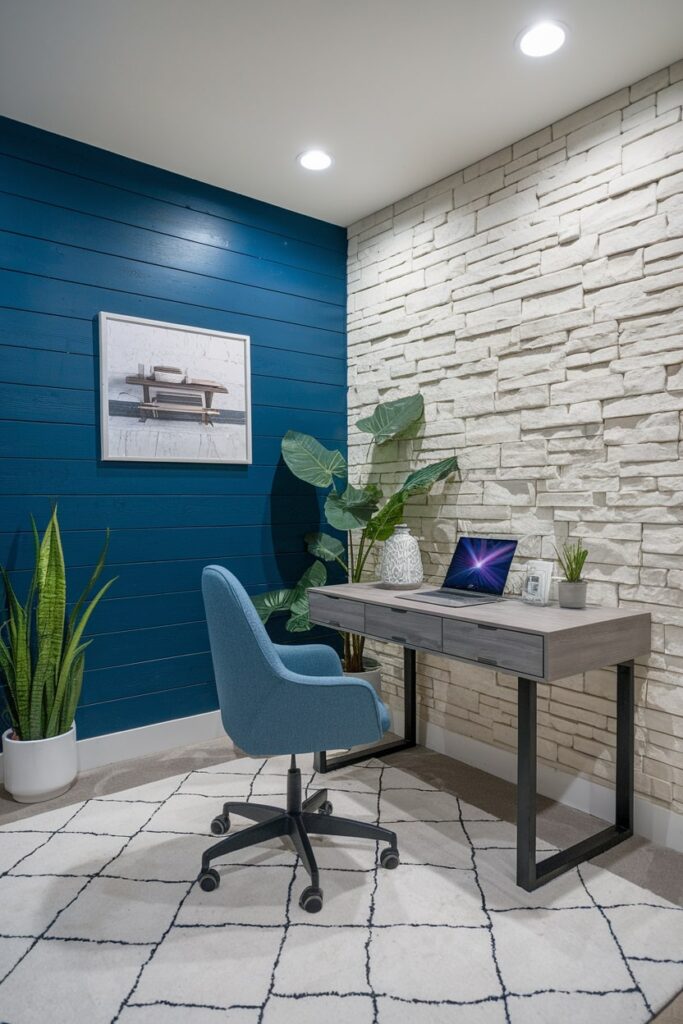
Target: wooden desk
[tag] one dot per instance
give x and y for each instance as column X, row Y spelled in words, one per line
column 535, row 644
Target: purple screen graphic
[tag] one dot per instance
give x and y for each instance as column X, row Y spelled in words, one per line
column 480, row 564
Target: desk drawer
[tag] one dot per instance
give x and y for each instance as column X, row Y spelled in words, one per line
column 403, row 627
column 501, row 648
column 337, row 612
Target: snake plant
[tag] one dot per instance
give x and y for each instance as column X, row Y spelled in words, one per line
column 349, row 508
column 42, row 652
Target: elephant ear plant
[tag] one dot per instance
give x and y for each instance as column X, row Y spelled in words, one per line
column 42, row 652
column 349, row 508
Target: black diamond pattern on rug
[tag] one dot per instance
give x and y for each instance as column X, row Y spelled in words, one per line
column 102, row 917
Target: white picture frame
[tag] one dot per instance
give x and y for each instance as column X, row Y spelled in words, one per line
column 538, row 578
column 173, row 393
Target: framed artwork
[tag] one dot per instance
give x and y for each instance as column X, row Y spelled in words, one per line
column 170, row 393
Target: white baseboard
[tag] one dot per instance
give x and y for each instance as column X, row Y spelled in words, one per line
column 662, row 826
column 651, row 821
column 147, row 739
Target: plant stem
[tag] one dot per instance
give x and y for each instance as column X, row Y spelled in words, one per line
column 347, row 650
column 361, row 567
column 359, row 560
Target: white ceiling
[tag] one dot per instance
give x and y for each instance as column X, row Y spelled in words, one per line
column 400, row 92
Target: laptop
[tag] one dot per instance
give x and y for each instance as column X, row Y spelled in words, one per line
column 477, row 574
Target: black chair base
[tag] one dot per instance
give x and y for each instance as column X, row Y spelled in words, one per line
column 312, row 816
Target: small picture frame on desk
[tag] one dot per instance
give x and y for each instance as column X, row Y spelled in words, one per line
column 537, row 581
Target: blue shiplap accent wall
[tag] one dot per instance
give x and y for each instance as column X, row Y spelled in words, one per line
column 83, row 230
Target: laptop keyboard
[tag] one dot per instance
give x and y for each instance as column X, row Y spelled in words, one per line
column 444, row 597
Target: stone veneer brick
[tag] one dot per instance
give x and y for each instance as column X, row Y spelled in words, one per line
column 536, row 301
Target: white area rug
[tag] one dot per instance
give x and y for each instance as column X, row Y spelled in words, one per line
column 101, row 919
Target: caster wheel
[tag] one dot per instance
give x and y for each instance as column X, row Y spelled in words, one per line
column 325, row 808
column 311, row 900
column 388, row 858
column 209, row 880
column 220, row 825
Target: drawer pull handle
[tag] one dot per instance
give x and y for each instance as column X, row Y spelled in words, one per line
column 331, row 622
column 482, row 626
column 400, row 611
column 487, row 661
column 399, row 639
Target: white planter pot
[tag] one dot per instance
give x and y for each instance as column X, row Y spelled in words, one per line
column 39, row 769
column 372, row 674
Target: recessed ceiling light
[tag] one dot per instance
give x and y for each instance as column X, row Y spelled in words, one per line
column 542, row 39
column 315, row 160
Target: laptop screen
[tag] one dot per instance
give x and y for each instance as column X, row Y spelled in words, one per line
column 480, row 565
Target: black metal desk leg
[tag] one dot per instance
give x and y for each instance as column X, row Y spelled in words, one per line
column 625, row 745
column 532, row 873
column 409, row 697
column 323, row 763
column 526, row 783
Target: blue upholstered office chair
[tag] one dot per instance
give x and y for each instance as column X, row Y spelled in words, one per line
column 278, row 699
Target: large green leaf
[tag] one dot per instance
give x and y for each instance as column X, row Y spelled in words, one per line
column 299, row 621
column 274, row 601
column 383, row 523
column 72, row 651
column 73, row 618
column 73, row 691
column 353, row 508
column 50, row 613
column 17, row 664
column 67, row 695
column 315, row 576
column 310, row 460
column 422, row 480
column 323, row 545
column 294, row 600
column 392, row 418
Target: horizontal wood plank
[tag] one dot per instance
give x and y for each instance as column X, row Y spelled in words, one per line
column 56, row 152
column 84, row 231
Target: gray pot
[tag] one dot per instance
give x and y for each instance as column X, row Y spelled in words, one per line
column 572, row 595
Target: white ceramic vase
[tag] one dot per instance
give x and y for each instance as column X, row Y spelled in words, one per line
column 401, row 564
column 37, row 770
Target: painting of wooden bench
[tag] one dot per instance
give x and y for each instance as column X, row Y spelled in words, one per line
column 189, row 396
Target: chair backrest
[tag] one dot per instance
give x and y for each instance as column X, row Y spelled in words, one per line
column 245, row 661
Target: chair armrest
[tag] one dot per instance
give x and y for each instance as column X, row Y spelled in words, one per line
column 322, row 712
column 310, row 659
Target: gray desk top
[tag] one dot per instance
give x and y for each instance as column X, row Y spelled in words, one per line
column 510, row 613
column 573, row 641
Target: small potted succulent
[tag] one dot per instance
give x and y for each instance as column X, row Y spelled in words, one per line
column 571, row 591
column 42, row 657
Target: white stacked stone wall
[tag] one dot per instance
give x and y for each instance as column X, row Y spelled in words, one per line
column 535, row 300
